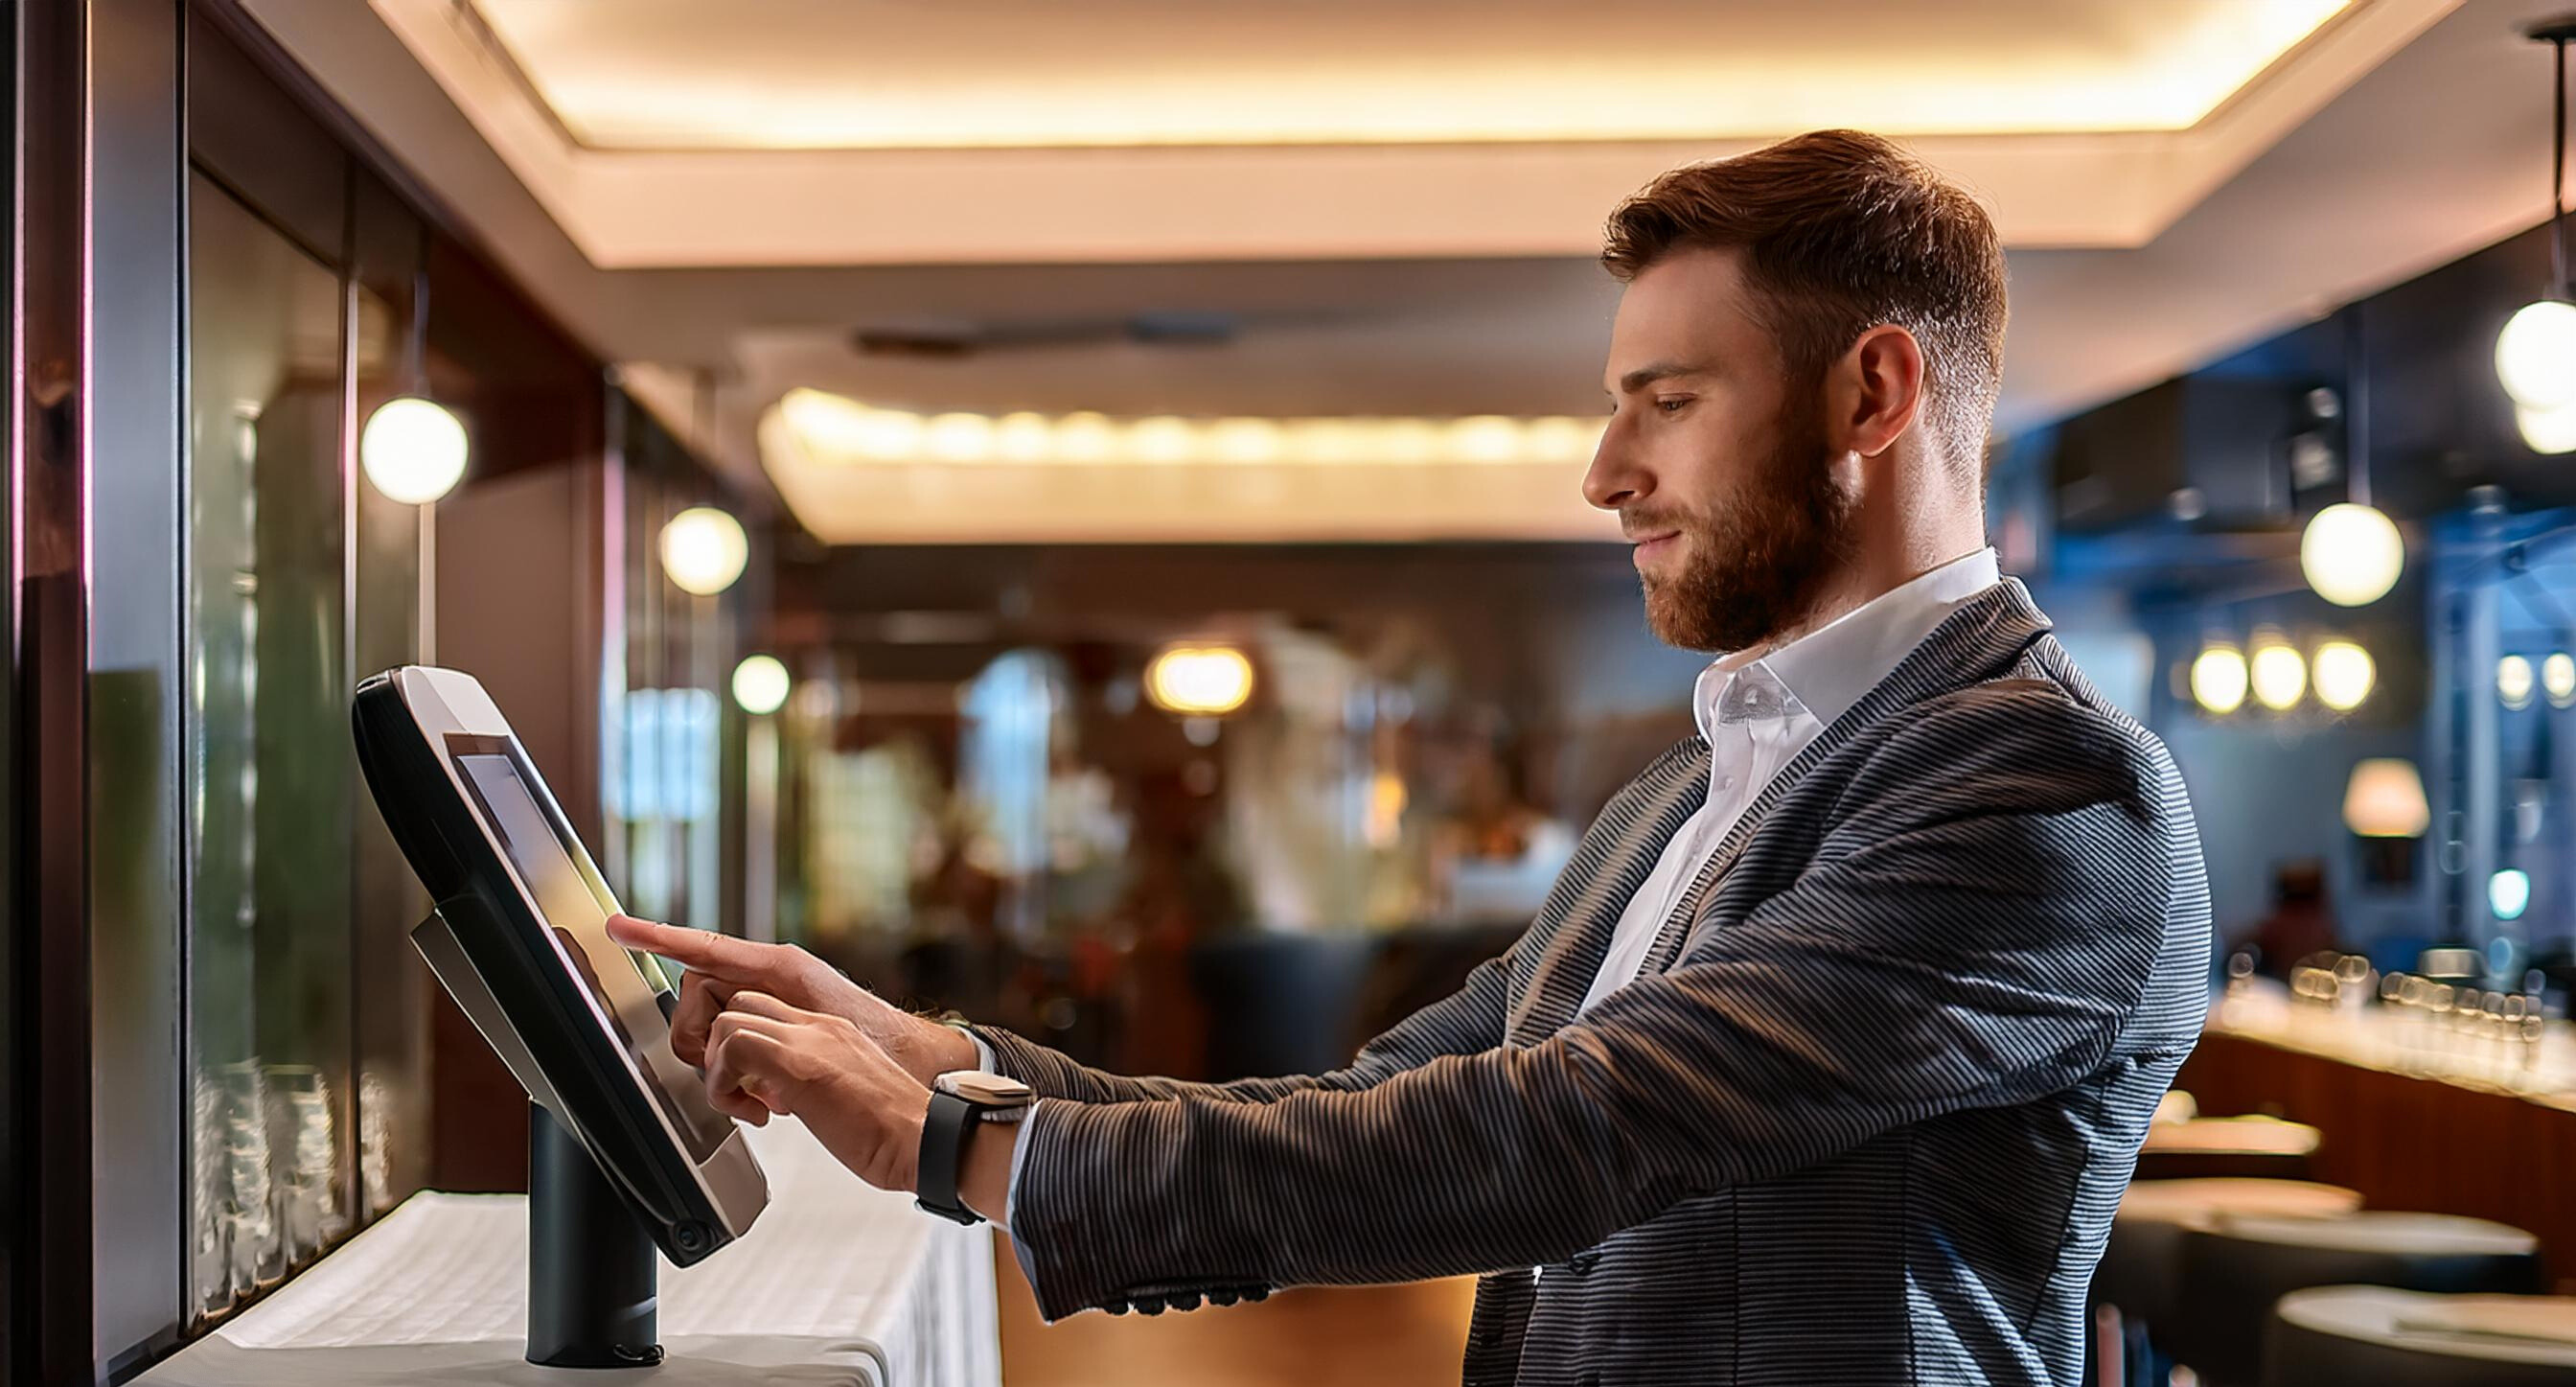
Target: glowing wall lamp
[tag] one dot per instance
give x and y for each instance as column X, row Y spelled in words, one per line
column 1199, row 680
column 704, row 550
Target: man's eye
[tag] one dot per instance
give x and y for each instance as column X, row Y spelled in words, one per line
column 1672, row 406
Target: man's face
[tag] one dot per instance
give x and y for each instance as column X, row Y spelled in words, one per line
column 1715, row 459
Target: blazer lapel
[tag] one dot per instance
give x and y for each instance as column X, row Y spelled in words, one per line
column 1616, row 856
column 1977, row 642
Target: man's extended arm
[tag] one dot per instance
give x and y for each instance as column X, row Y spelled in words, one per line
column 1463, row 1022
column 1979, row 941
column 1471, row 1019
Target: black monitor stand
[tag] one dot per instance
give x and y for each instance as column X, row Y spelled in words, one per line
column 591, row 1278
column 591, row 1273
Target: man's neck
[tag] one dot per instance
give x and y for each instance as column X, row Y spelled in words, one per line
column 1857, row 584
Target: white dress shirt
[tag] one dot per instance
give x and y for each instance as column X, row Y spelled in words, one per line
column 1758, row 712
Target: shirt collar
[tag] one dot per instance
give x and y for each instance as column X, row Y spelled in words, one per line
column 1833, row 667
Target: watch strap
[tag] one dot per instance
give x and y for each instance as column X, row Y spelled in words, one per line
column 943, row 1148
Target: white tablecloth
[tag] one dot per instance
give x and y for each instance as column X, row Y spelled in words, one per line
column 836, row 1283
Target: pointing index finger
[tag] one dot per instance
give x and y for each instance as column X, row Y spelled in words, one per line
column 720, row 955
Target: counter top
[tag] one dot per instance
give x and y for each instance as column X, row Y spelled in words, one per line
column 836, row 1283
column 2407, row 1042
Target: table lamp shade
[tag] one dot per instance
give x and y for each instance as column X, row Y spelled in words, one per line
column 2385, row 799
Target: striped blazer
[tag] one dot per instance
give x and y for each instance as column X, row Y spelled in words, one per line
column 1863, row 1117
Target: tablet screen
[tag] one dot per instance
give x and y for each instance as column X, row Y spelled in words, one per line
column 628, row 995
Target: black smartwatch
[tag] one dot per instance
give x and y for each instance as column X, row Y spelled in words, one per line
column 958, row 1099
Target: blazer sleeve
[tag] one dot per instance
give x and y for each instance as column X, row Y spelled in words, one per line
column 1974, row 930
column 1464, row 1022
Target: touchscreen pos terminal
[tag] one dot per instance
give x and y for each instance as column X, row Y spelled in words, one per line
column 627, row 1145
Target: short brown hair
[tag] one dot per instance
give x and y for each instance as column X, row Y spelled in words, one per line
column 1843, row 231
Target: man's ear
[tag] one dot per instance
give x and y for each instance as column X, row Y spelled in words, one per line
column 1875, row 391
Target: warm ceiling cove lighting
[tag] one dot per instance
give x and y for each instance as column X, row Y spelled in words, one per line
column 2280, row 676
column 834, row 428
column 413, row 449
column 760, row 685
column 1199, row 680
column 2218, row 679
column 2351, row 554
column 1277, row 75
column 2344, row 673
column 2385, row 799
column 704, row 550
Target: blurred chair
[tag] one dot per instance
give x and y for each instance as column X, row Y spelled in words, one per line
column 2372, row 1336
column 2233, row 1271
column 2227, row 1147
column 1280, row 1003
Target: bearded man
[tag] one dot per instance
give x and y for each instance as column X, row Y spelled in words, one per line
column 1830, row 1054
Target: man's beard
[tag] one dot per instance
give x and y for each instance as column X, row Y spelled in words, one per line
column 1753, row 571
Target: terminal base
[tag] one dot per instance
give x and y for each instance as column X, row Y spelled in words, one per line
column 591, row 1272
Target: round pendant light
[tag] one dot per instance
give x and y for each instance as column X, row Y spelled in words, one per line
column 2535, row 355
column 413, row 449
column 760, row 684
column 704, row 550
column 2352, row 554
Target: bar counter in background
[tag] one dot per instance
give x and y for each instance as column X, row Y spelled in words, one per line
column 2414, row 1113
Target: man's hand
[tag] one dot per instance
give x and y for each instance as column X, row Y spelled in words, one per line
column 719, row 966
column 821, row 1069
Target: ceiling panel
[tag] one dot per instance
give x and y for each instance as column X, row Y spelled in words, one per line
column 896, row 74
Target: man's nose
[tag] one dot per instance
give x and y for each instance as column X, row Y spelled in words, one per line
column 1614, row 480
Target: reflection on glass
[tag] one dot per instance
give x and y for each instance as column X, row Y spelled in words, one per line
column 271, row 776
column 392, row 1015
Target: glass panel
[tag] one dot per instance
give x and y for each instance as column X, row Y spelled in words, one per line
column 666, row 730
column 391, row 1003
column 272, row 775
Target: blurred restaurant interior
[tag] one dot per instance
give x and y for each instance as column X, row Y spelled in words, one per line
column 1071, row 514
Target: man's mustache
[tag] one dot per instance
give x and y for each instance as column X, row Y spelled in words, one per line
column 1637, row 525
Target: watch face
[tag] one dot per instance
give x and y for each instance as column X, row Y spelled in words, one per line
column 987, row 1090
